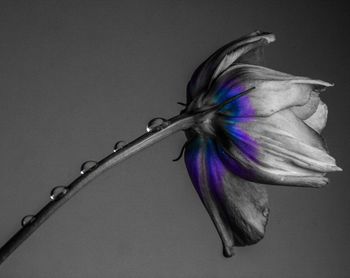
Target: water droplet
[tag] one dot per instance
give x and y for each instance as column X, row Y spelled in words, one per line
column 156, row 124
column 27, row 219
column 58, row 191
column 265, row 212
column 119, row 145
column 87, row 165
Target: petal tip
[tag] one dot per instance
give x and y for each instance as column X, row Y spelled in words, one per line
column 337, row 168
column 260, row 35
column 315, row 182
column 269, row 37
column 323, row 182
column 328, row 84
column 228, row 251
column 315, row 82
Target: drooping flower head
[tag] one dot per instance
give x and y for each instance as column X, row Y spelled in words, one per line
column 265, row 129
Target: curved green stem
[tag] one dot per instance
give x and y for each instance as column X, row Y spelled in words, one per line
column 169, row 127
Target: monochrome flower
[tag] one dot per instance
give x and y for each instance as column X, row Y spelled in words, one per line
column 263, row 127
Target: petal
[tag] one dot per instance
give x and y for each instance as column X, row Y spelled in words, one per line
column 314, row 112
column 224, row 57
column 305, row 111
column 238, row 55
column 280, row 149
column 238, row 208
column 318, row 120
column 273, row 91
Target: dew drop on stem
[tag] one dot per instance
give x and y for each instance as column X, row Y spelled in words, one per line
column 156, row 124
column 87, row 165
column 118, row 146
column 27, row 219
column 58, row 191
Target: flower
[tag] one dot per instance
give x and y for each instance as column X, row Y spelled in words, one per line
column 263, row 127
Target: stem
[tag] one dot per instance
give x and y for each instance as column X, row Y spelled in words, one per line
column 173, row 125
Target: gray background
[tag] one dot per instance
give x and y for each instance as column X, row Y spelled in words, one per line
column 77, row 76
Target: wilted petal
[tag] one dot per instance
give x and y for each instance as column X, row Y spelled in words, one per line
column 273, row 90
column 238, row 208
column 223, row 58
column 279, row 149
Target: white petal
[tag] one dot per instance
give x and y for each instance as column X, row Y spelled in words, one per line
column 242, row 48
column 318, row 120
column 305, row 111
column 279, row 149
column 223, row 58
column 272, row 90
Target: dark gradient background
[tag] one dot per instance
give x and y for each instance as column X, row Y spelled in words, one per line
column 77, row 76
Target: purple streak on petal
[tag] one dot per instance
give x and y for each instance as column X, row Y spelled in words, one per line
column 242, row 140
column 215, row 169
column 194, row 161
column 237, row 107
column 234, row 166
column 206, row 172
column 202, row 161
column 226, row 91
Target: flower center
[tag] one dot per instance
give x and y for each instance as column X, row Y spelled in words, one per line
column 205, row 125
